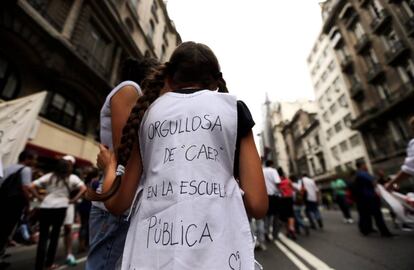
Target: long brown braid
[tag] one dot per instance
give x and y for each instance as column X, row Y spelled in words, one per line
column 190, row 63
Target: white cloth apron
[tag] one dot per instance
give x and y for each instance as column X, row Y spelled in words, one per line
column 190, row 212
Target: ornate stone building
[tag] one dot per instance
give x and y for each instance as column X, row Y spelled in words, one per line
column 373, row 40
column 73, row 49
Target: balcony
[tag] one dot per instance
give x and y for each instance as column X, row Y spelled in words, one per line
column 409, row 26
column 92, row 61
column 357, row 91
column 397, row 99
column 351, row 20
column 362, row 43
column 41, row 6
column 337, row 41
column 377, row 24
column 396, row 52
column 346, row 64
column 374, row 73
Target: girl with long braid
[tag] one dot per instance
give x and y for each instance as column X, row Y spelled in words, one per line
column 182, row 149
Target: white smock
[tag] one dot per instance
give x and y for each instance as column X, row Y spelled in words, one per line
column 190, row 213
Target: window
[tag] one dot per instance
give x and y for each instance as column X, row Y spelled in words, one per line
column 375, row 8
column 406, row 72
column 162, row 52
column 9, row 82
column 328, row 94
column 338, row 127
column 344, row 146
column 336, row 85
column 333, row 109
column 348, row 120
column 342, row 101
column 354, row 140
column 331, row 66
column 371, row 59
column 358, row 30
column 96, row 45
column 324, row 76
column 384, row 91
column 390, row 38
column 63, row 111
column 329, row 132
column 325, row 116
column 317, row 141
column 154, row 8
column 151, row 29
column 334, row 151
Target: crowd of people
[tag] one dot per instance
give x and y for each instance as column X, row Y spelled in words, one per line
column 180, row 178
column 37, row 205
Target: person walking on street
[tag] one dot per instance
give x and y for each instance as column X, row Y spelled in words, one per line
column 267, row 228
column 53, row 206
column 312, row 197
column 14, row 195
column 339, row 188
column 107, row 232
column 286, row 203
column 201, row 201
column 298, row 203
column 368, row 202
column 69, row 220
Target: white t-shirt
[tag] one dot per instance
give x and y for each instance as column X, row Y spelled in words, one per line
column 311, row 189
column 26, row 174
column 408, row 166
column 106, row 123
column 271, row 180
column 57, row 193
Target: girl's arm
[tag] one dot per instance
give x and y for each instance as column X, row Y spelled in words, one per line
column 82, row 189
column 122, row 199
column 121, row 105
column 251, row 178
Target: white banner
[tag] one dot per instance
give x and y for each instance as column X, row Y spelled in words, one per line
column 17, row 118
column 399, row 204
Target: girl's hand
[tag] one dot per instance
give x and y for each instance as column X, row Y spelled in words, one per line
column 105, row 158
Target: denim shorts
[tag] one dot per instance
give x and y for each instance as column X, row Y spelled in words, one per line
column 107, row 234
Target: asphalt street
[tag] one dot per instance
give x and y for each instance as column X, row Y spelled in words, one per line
column 340, row 246
column 337, row 246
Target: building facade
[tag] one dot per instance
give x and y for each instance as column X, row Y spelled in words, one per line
column 282, row 113
column 335, row 109
column 373, row 40
column 74, row 49
column 304, row 145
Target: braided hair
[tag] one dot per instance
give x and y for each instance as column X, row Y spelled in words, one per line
column 190, row 64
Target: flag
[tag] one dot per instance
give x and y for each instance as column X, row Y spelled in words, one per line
column 17, row 118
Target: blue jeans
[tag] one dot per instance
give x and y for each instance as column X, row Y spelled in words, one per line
column 107, row 234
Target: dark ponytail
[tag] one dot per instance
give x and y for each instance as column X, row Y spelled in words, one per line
column 152, row 87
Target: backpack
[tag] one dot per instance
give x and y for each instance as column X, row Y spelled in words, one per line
column 12, row 186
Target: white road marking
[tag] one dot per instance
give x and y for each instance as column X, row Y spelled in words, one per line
column 304, row 254
column 291, row 256
column 78, row 261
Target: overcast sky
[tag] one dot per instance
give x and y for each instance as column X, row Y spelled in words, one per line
column 262, row 45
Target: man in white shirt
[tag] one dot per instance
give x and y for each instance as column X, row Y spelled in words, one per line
column 270, row 222
column 312, row 196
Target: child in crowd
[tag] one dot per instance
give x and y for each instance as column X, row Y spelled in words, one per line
column 181, row 151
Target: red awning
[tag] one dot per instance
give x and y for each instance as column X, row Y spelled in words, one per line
column 44, row 152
